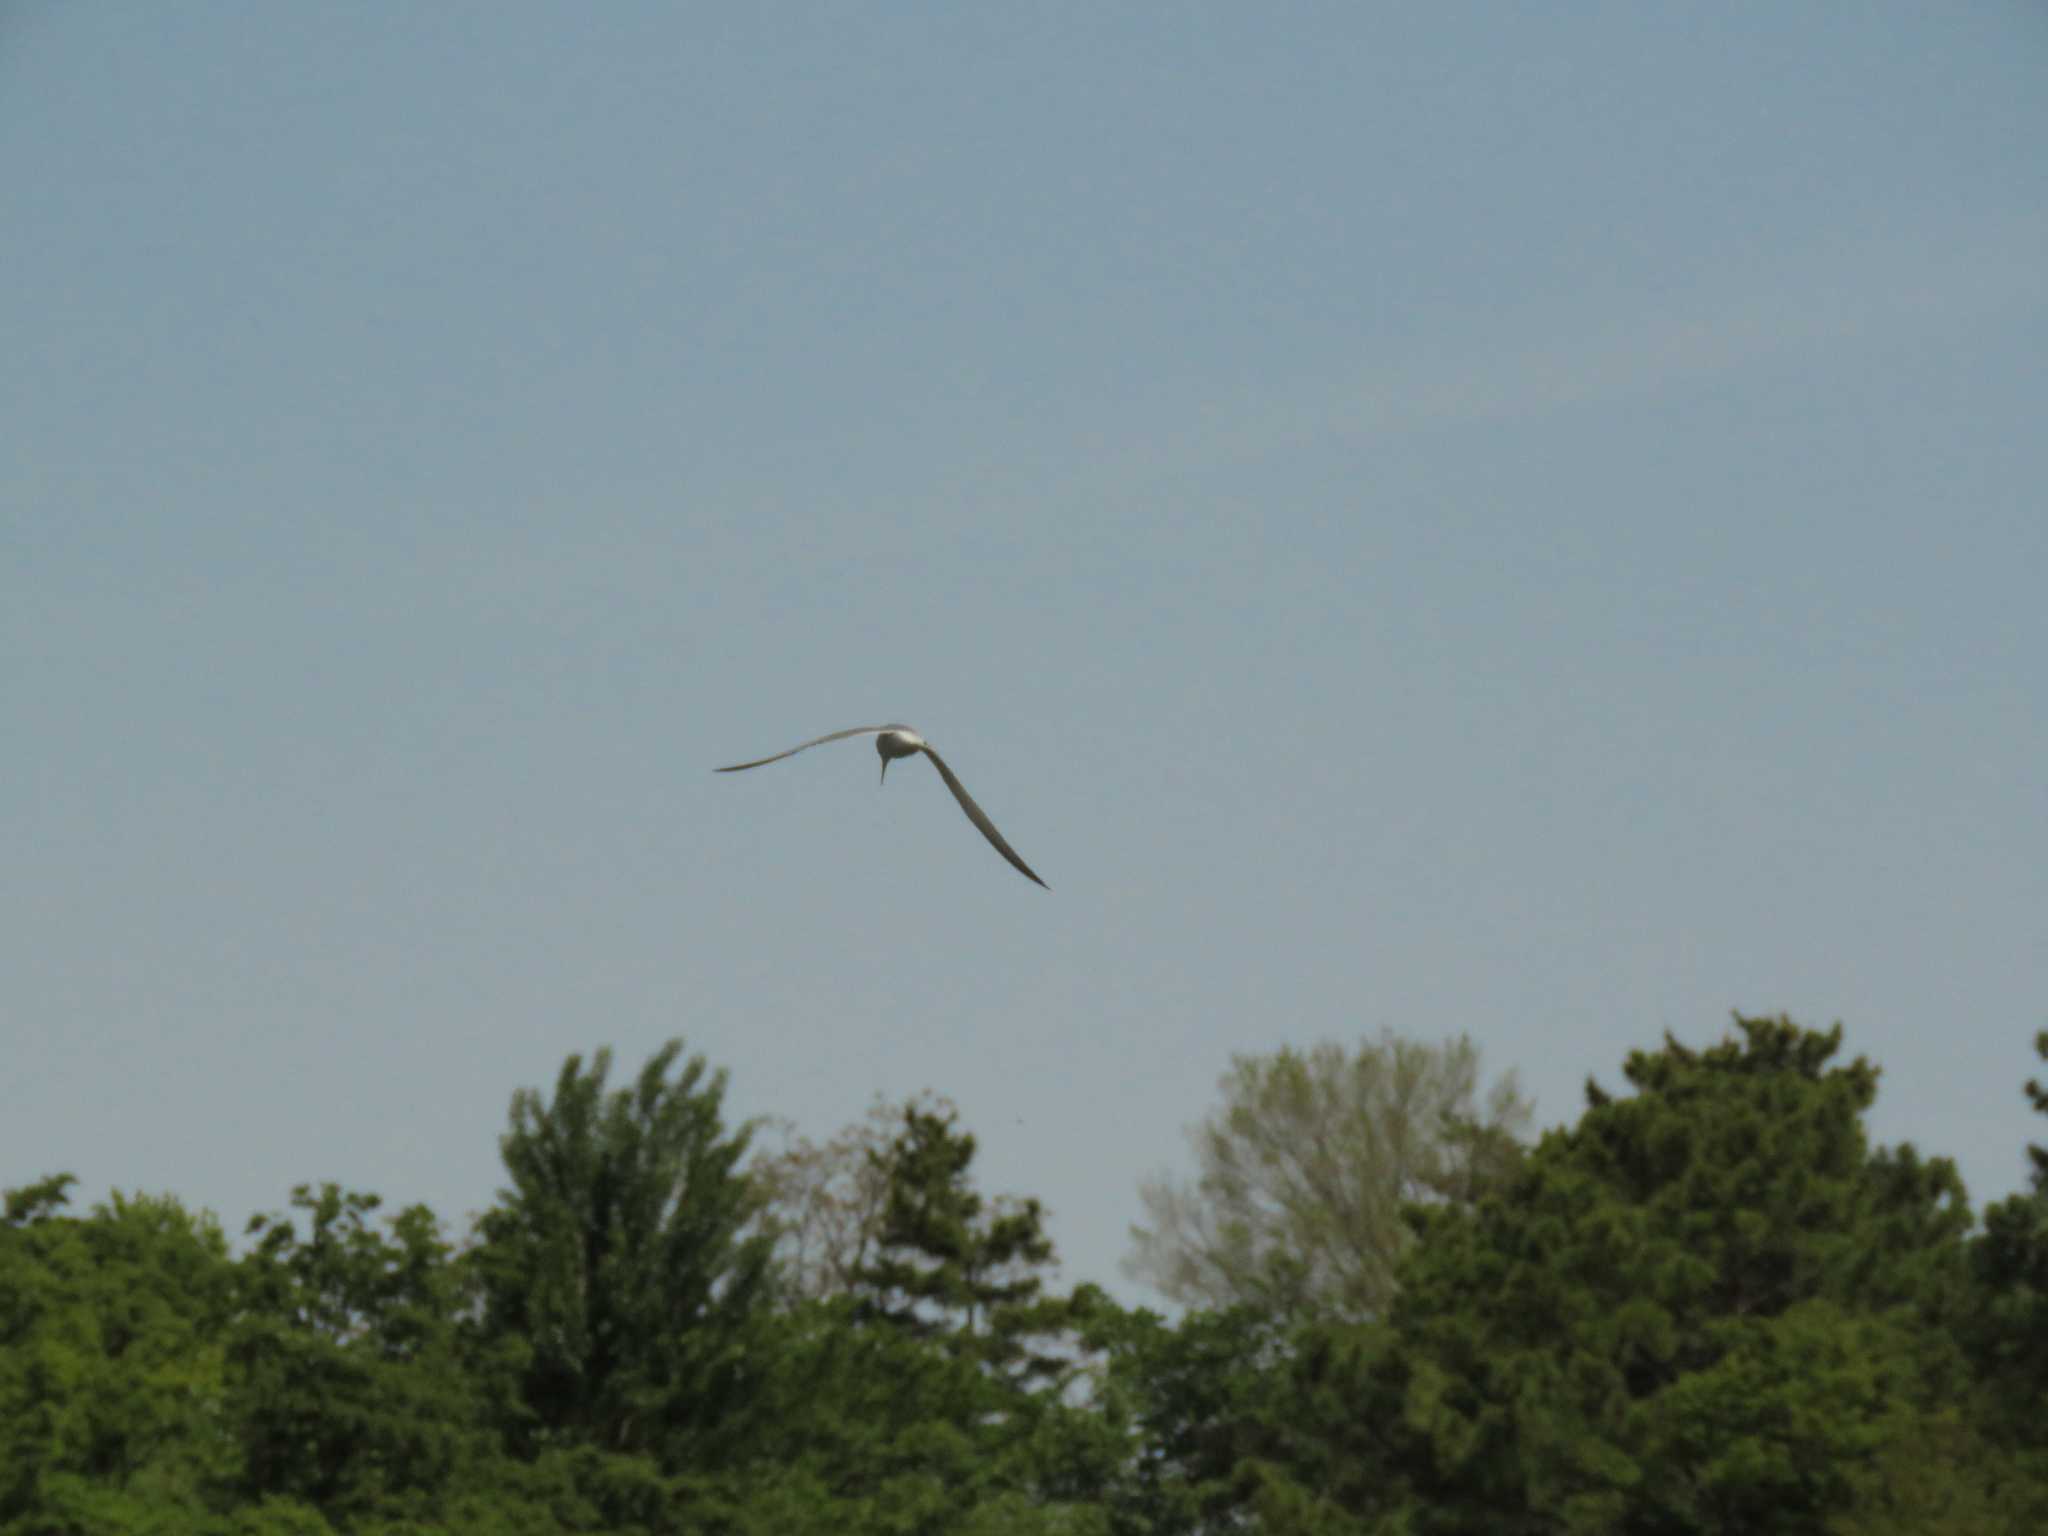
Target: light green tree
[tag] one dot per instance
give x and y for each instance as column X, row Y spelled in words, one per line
column 1306, row 1167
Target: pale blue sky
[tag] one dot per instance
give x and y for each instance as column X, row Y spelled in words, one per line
column 1526, row 521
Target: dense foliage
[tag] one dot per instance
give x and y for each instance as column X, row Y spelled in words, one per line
column 1709, row 1305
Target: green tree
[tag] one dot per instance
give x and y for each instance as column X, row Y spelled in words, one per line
column 1307, row 1166
column 619, row 1262
column 352, row 1396
column 859, row 1425
column 1202, row 1401
column 1941, row 1477
column 2009, row 1265
column 113, row 1390
column 950, row 1265
column 943, row 1391
column 1707, row 1307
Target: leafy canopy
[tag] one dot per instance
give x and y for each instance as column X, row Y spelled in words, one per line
column 1306, row 1170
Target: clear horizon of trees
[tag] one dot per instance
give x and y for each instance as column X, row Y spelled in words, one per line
column 1708, row 1305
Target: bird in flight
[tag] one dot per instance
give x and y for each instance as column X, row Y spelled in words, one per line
column 894, row 741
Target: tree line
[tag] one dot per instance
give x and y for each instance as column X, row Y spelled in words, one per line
column 1710, row 1304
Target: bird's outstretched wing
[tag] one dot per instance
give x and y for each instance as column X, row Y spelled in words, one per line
column 979, row 817
column 858, row 730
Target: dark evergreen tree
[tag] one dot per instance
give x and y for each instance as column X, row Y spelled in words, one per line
column 2008, row 1331
column 1705, row 1308
column 952, row 1266
column 2010, row 1266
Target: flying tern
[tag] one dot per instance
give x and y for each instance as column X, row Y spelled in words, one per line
column 894, row 741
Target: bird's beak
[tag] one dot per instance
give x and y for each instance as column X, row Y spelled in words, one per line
column 885, row 772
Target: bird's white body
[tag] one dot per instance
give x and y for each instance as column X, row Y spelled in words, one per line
column 899, row 743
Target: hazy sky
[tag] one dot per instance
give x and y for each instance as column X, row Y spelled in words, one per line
column 1521, row 520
